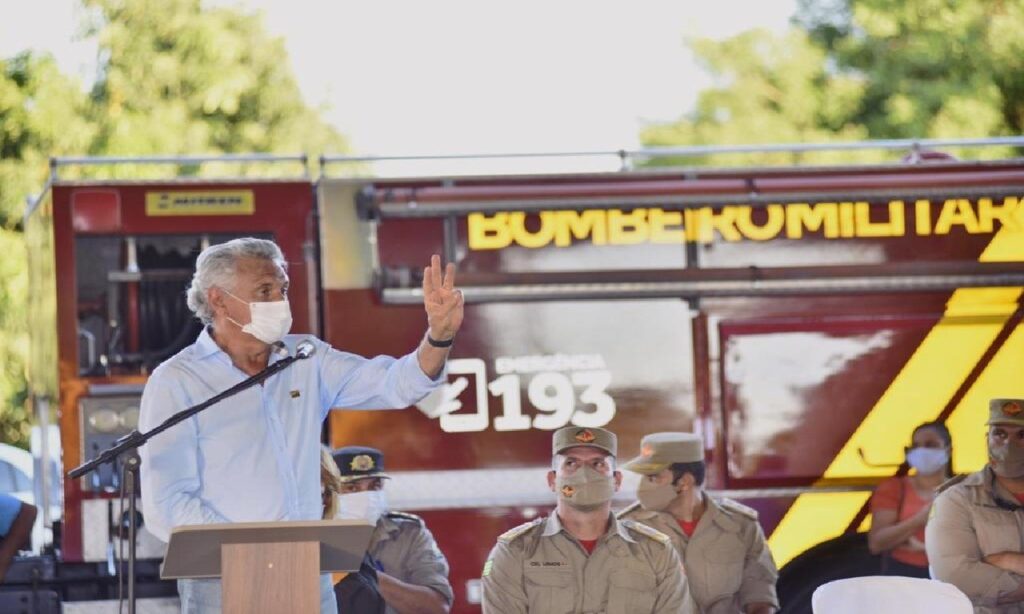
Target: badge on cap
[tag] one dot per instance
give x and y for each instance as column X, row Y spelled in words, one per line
column 585, row 436
column 646, row 451
column 568, row 491
column 1012, row 408
column 363, row 462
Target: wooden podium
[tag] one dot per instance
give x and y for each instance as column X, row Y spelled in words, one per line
column 267, row 567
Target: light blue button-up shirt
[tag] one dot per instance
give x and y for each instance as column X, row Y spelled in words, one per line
column 255, row 456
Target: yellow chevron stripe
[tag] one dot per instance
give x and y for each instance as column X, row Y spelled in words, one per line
column 917, row 394
column 972, row 320
column 1001, row 379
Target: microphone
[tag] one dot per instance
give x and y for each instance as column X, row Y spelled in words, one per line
column 305, row 349
column 279, row 348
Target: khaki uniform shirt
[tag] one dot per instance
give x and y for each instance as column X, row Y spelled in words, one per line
column 969, row 521
column 540, row 568
column 406, row 550
column 728, row 565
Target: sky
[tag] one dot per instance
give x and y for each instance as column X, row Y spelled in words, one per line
column 458, row 76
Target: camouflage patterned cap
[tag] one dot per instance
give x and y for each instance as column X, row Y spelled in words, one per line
column 1006, row 411
column 359, row 462
column 659, row 450
column 573, row 436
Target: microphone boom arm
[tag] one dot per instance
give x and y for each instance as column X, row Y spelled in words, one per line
column 135, row 439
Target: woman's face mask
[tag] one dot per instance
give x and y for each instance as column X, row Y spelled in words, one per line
column 928, row 461
column 586, row 489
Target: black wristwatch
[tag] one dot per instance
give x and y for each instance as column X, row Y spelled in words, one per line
column 447, row 343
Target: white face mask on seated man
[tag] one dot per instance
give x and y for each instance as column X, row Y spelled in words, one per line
column 367, row 505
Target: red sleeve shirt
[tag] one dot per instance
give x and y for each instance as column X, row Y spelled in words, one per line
column 887, row 497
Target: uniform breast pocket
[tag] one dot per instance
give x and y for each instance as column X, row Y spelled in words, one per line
column 631, row 591
column 997, row 531
column 550, row 592
column 724, row 568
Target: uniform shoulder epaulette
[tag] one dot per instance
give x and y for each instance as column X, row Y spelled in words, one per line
column 516, row 532
column 404, row 516
column 739, row 508
column 627, row 510
column 953, row 481
column 645, row 530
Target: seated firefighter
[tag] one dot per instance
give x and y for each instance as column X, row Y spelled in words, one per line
column 975, row 533
column 581, row 558
column 728, row 564
column 412, row 573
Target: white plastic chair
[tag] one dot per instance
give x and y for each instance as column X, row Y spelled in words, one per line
column 889, row 595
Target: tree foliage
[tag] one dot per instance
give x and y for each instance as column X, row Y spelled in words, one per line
column 854, row 69
column 180, row 78
column 42, row 113
column 769, row 89
column 933, row 67
column 173, row 77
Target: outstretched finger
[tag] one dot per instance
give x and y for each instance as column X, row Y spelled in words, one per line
column 449, row 276
column 435, row 271
column 428, row 283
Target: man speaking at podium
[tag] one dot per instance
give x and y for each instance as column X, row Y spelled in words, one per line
column 256, row 456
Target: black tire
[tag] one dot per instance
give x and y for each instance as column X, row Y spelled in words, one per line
column 846, row 556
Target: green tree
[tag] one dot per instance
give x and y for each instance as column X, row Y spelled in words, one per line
column 940, row 68
column 855, row 69
column 174, row 77
column 181, row 78
column 769, row 89
column 41, row 114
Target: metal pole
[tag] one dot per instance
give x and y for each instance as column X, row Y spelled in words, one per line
column 42, row 407
column 626, row 156
column 132, row 460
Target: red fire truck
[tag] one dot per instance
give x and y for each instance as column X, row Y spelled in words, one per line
column 802, row 319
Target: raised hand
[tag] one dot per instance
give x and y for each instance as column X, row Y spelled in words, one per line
column 443, row 303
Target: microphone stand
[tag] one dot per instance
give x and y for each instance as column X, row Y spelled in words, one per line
column 128, row 447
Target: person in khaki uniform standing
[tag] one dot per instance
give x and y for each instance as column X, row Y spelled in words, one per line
column 581, row 559
column 728, row 565
column 975, row 533
column 412, row 573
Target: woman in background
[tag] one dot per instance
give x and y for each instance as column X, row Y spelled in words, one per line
column 330, row 483
column 900, row 505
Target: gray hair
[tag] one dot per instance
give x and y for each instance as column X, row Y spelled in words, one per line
column 217, row 266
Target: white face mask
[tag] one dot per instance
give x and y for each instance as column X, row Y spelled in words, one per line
column 367, row 505
column 928, row 461
column 268, row 322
